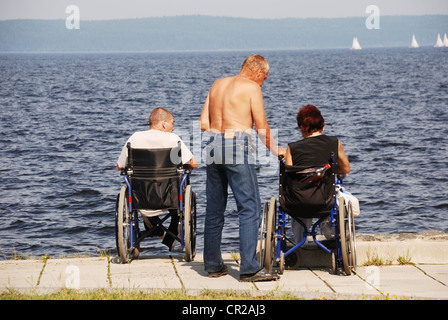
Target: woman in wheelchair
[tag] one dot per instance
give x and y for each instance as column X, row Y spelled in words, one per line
column 314, row 148
column 308, row 190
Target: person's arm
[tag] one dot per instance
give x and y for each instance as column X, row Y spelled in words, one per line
column 123, row 156
column 192, row 164
column 205, row 118
column 188, row 159
column 288, row 159
column 343, row 166
column 261, row 124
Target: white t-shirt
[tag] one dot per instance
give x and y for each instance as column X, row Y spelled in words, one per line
column 153, row 139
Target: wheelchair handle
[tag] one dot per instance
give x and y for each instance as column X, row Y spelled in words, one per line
column 341, row 176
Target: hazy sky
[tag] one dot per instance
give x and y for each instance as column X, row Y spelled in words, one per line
column 115, row 9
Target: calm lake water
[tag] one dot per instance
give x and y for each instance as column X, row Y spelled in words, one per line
column 65, row 117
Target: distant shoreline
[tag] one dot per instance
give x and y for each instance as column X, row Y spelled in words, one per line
column 211, row 33
column 423, row 47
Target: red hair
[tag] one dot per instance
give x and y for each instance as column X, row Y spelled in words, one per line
column 309, row 119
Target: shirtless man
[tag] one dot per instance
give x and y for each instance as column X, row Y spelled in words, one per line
column 233, row 106
column 236, row 103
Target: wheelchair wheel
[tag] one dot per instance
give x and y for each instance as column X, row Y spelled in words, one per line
column 260, row 249
column 282, row 262
column 271, row 238
column 346, row 234
column 334, row 265
column 353, row 240
column 123, row 226
column 189, row 224
column 292, row 261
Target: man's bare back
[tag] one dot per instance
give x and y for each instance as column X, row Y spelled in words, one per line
column 229, row 104
column 236, row 104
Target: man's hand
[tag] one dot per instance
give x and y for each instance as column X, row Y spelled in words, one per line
column 281, row 152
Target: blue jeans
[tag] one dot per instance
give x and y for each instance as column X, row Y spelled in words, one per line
column 228, row 163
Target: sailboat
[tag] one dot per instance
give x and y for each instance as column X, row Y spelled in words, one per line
column 439, row 42
column 414, row 43
column 445, row 41
column 355, row 44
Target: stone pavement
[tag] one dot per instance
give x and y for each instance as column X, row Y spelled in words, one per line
column 426, row 278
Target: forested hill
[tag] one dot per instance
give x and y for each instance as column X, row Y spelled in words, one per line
column 216, row 33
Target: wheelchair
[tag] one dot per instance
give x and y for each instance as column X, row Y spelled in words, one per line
column 308, row 192
column 154, row 179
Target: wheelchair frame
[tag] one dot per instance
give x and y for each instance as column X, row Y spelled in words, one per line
column 274, row 239
column 127, row 230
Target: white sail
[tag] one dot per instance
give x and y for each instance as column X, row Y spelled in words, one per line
column 439, row 42
column 355, row 44
column 445, row 41
column 414, row 43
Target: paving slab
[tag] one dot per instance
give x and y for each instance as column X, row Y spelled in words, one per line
column 195, row 278
column 146, row 273
column 405, row 281
column 437, row 272
column 20, row 275
column 74, row 273
column 301, row 283
column 349, row 287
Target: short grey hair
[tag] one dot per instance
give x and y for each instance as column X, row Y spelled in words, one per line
column 255, row 62
column 159, row 114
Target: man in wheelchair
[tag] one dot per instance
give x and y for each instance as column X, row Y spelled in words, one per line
column 159, row 136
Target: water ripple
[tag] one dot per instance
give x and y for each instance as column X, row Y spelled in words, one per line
column 65, row 118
